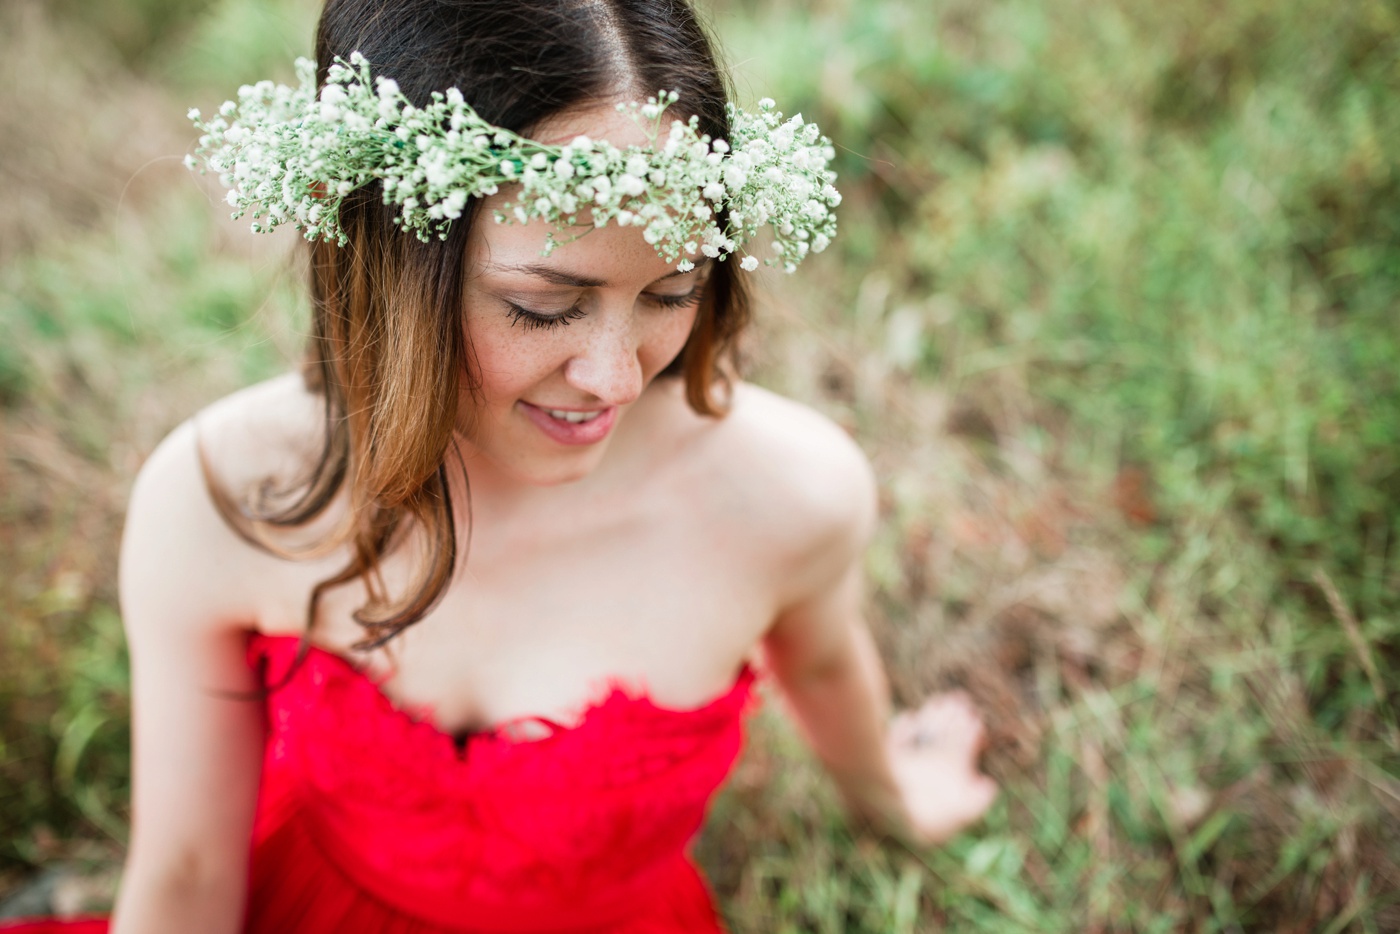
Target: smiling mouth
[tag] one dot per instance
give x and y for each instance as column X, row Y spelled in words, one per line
column 573, row 418
column 571, row 427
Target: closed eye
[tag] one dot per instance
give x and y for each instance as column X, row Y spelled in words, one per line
column 549, row 320
column 541, row 319
column 677, row 301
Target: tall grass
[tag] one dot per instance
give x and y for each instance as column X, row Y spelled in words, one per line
column 1113, row 312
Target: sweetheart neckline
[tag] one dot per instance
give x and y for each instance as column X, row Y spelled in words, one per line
column 420, row 716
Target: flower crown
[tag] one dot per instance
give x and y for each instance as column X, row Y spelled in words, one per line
column 291, row 155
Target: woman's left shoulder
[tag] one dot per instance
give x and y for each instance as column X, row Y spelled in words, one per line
column 796, row 469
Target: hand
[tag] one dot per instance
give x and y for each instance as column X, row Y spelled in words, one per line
column 933, row 754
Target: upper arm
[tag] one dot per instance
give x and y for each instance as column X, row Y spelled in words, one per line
column 197, row 743
column 820, row 620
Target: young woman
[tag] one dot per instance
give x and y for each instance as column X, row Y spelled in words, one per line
column 457, row 626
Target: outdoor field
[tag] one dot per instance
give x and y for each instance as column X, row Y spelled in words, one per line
column 1114, row 312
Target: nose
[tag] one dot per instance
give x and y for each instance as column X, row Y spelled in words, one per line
column 607, row 365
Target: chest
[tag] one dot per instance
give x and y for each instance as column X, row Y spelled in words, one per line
column 540, row 618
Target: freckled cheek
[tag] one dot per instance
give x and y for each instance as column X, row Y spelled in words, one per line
column 666, row 341
column 506, row 366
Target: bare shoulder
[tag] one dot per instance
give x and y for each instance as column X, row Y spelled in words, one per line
column 798, row 475
column 799, row 455
column 270, row 429
column 180, row 559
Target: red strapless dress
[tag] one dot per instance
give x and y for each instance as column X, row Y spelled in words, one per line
column 371, row 819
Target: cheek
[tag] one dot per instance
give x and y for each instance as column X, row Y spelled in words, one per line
column 504, row 365
column 667, row 339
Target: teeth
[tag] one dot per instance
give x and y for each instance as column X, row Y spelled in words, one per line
column 573, row 417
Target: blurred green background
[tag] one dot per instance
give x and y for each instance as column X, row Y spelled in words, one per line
column 1113, row 312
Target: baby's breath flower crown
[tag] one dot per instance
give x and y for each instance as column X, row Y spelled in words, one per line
column 291, row 155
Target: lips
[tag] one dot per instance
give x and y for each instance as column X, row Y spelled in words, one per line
column 571, row 426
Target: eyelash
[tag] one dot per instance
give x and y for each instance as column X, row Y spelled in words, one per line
column 535, row 319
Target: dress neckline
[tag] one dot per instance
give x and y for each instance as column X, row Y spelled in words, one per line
column 613, row 692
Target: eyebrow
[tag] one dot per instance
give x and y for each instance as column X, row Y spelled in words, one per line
column 561, row 277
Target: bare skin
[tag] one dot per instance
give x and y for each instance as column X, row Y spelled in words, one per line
column 665, row 554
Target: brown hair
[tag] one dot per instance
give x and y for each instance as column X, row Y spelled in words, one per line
column 388, row 353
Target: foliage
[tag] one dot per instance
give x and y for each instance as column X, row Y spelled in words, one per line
column 1137, row 261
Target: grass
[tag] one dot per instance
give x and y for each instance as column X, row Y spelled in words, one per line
column 1113, row 313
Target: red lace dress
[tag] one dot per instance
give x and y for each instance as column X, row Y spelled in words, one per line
column 372, row 820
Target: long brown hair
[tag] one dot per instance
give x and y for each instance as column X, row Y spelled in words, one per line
column 388, row 353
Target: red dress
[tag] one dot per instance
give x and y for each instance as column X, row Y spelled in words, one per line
column 372, row 820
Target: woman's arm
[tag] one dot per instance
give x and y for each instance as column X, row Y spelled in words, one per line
column 196, row 749
column 825, row 660
column 918, row 780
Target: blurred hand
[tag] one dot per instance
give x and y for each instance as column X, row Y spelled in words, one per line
column 933, row 753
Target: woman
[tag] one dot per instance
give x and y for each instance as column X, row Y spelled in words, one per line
column 538, row 529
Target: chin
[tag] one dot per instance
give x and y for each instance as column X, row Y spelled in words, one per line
column 557, row 471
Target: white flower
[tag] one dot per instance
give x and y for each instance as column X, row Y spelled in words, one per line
column 684, row 265
column 454, row 205
column 748, row 263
